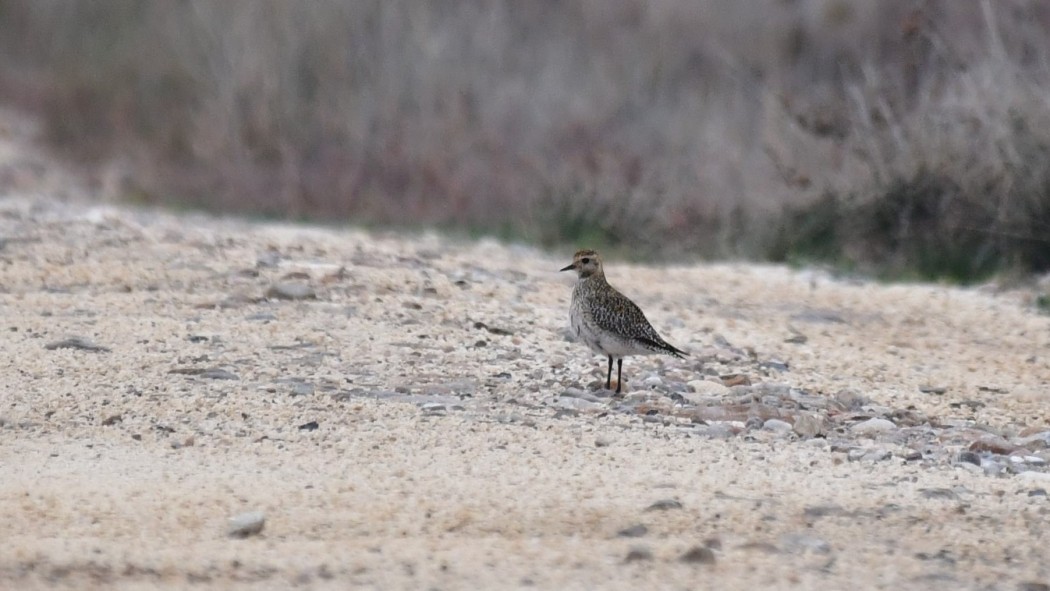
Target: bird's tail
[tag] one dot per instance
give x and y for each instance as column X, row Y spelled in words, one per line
column 665, row 347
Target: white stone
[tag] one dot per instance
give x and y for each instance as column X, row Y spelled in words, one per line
column 873, row 427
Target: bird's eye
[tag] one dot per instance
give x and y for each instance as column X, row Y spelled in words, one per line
column 585, row 260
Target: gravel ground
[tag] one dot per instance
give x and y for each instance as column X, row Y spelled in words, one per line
column 391, row 411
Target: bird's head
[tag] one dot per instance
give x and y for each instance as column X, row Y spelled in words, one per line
column 585, row 263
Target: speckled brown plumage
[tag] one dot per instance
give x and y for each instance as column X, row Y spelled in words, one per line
column 606, row 320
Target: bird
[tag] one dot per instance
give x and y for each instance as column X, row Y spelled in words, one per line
column 609, row 322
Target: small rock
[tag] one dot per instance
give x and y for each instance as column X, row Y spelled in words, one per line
column 1034, row 476
column 993, row 444
column 877, row 454
column 992, row 467
column 773, row 364
column 809, row 425
column 311, row 426
column 850, row 399
column 698, row 555
column 946, row 494
column 291, row 290
column 799, row 543
column 638, row 553
column 1033, row 441
column 652, row 381
column 817, row 511
column 777, row 426
column 602, row 441
column 938, row 390
column 635, row 531
column 270, row 258
column 873, row 427
column 216, row 373
column 969, row 457
column 493, row 329
column 704, row 389
column 433, row 408
column 1033, row 586
column 819, row 316
column 760, row 547
column 112, row 420
column 581, row 394
column 576, row 405
column 246, row 524
column 76, row 343
column 735, row 379
column 775, row 391
column 913, row 456
column 1037, row 492
column 664, row 505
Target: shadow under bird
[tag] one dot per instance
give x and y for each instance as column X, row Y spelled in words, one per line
column 607, row 321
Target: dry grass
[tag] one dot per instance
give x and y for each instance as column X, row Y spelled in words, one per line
column 667, row 128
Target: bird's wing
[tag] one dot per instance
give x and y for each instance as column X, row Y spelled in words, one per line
column 616, row 313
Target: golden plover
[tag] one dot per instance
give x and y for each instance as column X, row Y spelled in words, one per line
column 607, row 321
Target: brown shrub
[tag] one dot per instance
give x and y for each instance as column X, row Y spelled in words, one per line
column 665, row 128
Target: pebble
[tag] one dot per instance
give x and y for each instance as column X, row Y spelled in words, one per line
column 873, row 427
column 860, row 454
column 664, row 505
column 939, row 493
column 433, row 408
column 809, row 425
column 775, row 365
column 652, row 381
column 602, row 441
column 635, row 531
column 800, row 543
column 1031, row 476
column 216, row 373
column 76, row 343
column 777, row 426
column 576, row 404
column 698, row 555
column 246, row 524
column 637, row 553
column 581, row 394
column 993, row 444
column 1035, row 441
column 850, row 399
column 705, row 388
column 291, row 290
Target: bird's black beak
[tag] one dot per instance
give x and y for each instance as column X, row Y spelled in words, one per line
column 569, row 268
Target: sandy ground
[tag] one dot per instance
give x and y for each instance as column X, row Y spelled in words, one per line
column 414, row 417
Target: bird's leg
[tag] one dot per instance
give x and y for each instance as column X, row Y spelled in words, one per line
column 608, row 376
column 619, row 373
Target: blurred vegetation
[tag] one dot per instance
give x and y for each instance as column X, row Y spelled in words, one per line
column 908, row 138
